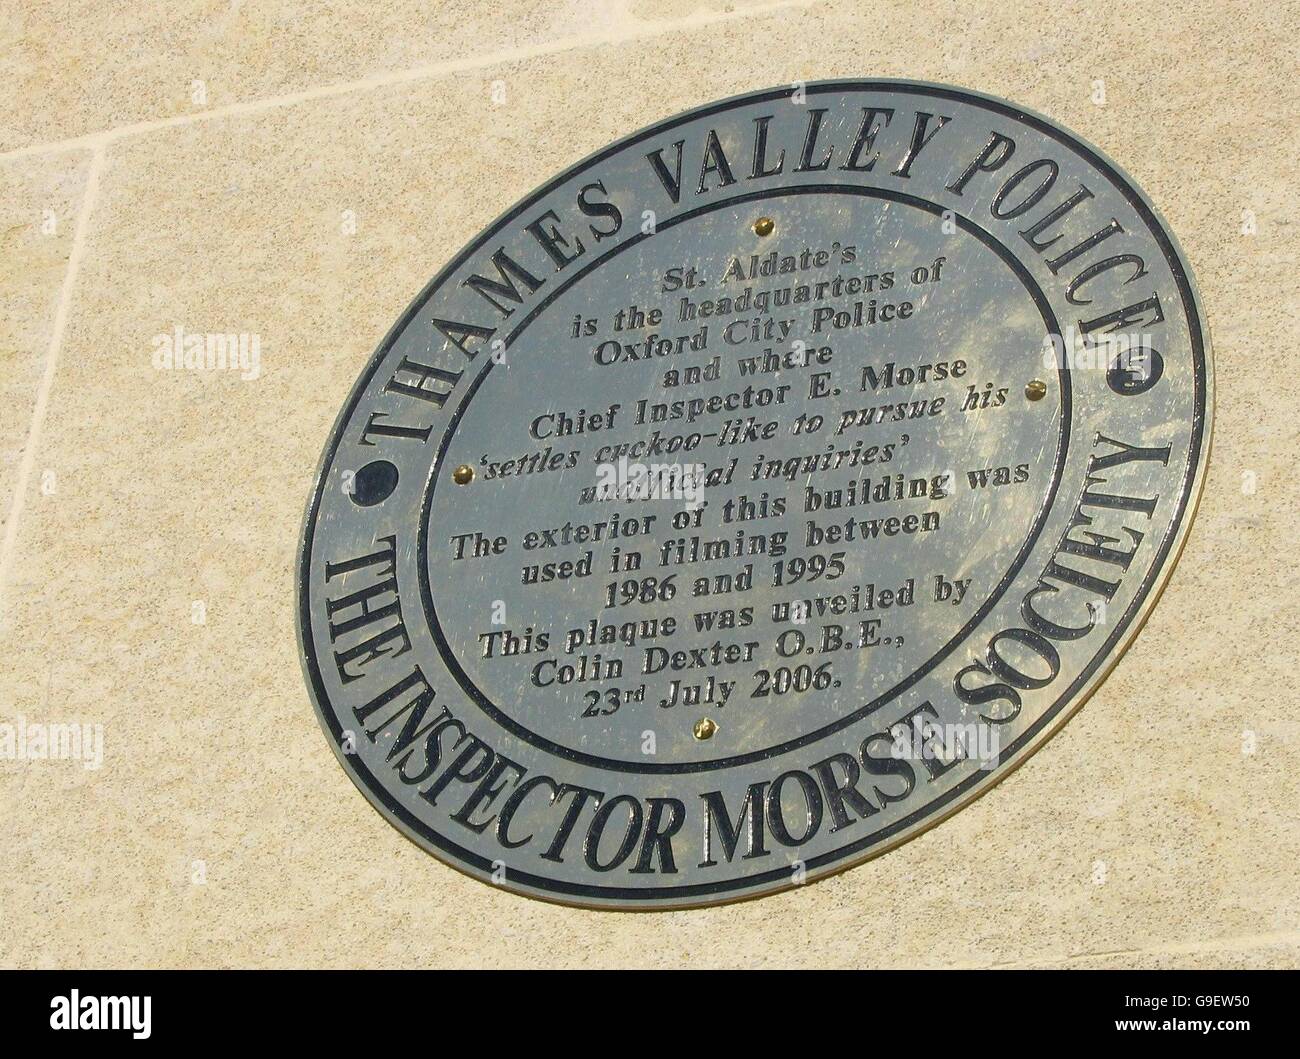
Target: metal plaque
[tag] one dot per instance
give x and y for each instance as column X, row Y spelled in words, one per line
column 754, row 494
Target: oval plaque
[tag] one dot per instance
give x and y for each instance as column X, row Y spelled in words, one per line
column 754, row 494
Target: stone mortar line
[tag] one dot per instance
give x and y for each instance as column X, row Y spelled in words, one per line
column 100, row 142
column 25, row 467
column 428, row 71
column 1245, row 942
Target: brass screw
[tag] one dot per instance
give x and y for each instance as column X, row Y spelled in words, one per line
column 463, row 475
column 1036, row 390
column 764, row 226
column 704, row 728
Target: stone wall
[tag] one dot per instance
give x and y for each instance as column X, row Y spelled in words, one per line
column 297, row 178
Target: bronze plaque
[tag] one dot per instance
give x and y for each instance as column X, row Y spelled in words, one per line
column 754, row 494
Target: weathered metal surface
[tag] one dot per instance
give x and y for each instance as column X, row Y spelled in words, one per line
column 754, row 494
